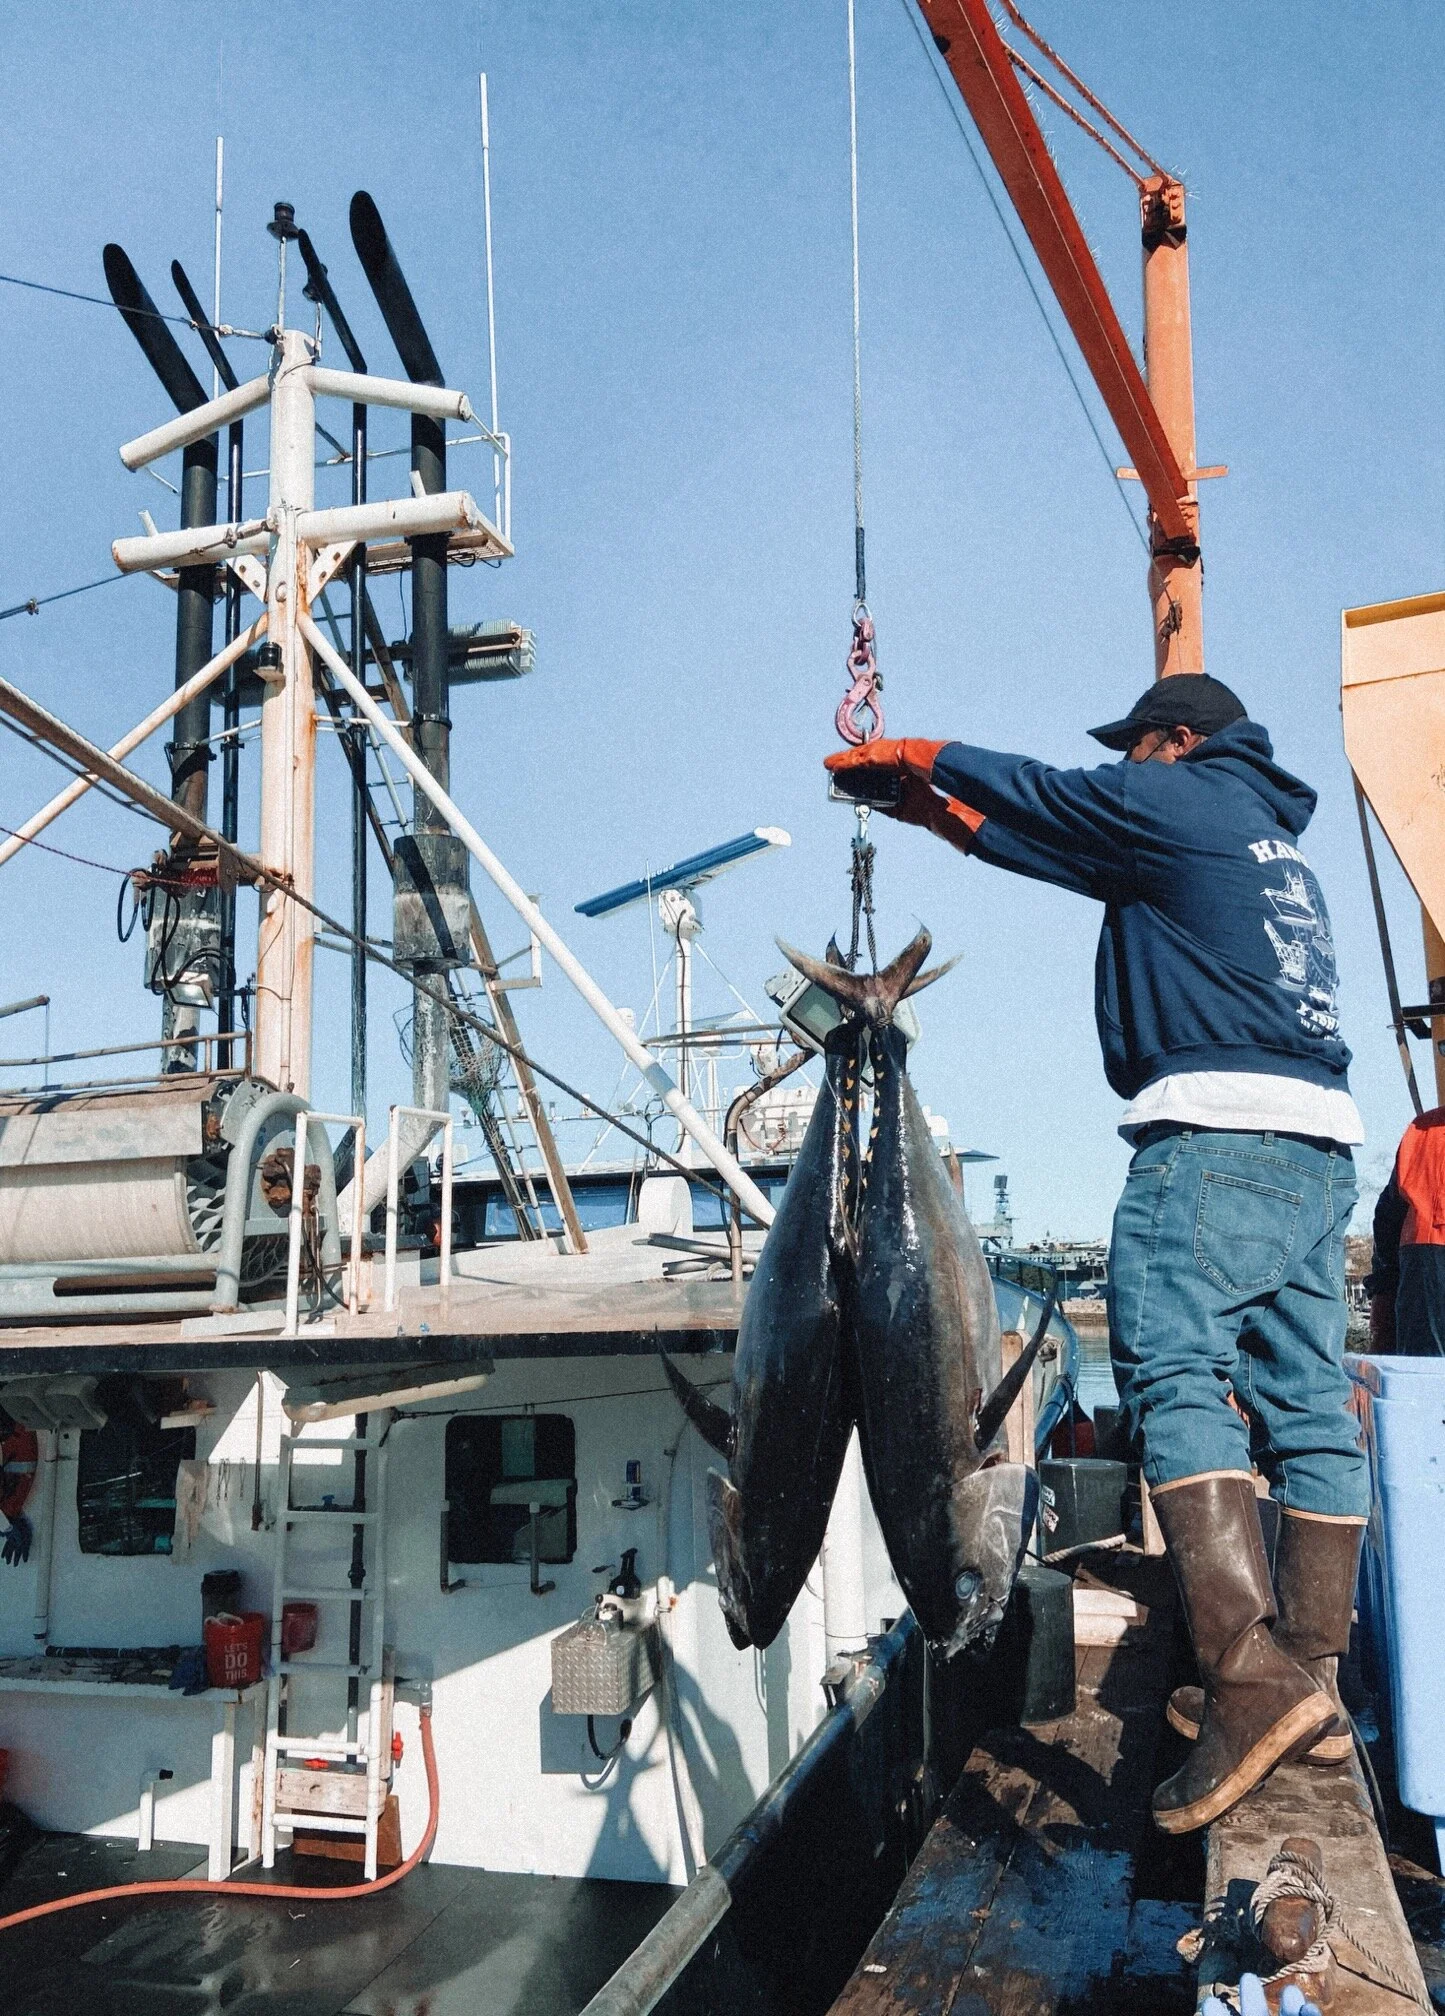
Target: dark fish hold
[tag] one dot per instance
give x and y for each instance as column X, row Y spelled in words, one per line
column 926, row 1345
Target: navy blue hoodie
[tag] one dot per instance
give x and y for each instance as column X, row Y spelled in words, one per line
column 1216, row 953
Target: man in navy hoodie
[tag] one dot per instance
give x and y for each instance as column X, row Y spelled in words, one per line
column 1215, row 998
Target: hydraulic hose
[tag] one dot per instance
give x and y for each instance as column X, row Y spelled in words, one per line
column 321, row 1893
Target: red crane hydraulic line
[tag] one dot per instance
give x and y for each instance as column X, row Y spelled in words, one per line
column 971, row 46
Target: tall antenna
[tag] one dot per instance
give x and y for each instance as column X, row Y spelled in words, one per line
column 216, row 281
column 491, row 313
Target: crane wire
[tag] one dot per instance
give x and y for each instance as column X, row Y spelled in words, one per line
column 950, row 99
column 865, row 684
column 859, row 567
column 1096, row 104
column 1051, row 91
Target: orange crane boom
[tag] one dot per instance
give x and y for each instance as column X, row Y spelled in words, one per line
column 1154, row 415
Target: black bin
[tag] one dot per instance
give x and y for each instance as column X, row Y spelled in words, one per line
column 1081, row 1499
column 1032, row 1662
column 220, row 1593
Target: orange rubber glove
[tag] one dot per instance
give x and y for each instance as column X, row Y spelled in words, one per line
column 949, row 818
column 914, row 757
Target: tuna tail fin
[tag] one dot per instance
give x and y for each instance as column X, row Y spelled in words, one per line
column 713, row 1423
column 934, row 973
column 994, row 1411
column 872, row 996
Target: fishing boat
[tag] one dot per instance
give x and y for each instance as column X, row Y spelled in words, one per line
column 360, row 1646
column 361, row 1548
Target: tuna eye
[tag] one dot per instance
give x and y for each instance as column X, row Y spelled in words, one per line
column 968, row 1585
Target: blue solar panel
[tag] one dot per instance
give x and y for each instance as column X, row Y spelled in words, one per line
column 688, row 874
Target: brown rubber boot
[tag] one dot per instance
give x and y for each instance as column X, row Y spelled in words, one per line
column 1316, row 1562
column 1260, row 1708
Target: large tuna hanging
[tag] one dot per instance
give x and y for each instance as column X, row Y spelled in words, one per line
column 871, row 1302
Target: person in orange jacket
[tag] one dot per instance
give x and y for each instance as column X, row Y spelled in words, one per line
column 1406, row 1282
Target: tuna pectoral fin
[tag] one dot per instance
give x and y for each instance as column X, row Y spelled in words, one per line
column 874, row 996
column 712, row 1422
column 724, row 1511
column 994, row 1411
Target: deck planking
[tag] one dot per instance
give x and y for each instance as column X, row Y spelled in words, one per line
column 1042, row 1888
column 1331, row 1807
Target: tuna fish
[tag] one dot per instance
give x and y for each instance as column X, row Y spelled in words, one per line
column 925, row 1349
column 790, row 1419
column 871, row 1302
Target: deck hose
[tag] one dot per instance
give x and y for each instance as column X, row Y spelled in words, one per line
column 285, row 1891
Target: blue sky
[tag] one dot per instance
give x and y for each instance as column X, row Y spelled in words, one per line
column 671, row 229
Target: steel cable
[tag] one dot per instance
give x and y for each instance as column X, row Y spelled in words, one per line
column 155, row 314
column 33, row 605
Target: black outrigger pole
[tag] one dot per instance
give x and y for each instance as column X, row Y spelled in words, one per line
column 231, row 687
column 190, row 751
column 435, row 857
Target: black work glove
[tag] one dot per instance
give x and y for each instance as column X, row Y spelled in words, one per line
column 17, row 1541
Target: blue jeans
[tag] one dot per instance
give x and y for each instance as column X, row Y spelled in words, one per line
column 1226, row 1277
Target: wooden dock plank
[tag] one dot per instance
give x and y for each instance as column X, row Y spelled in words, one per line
column 1022, row 1900
column 1333, row 1808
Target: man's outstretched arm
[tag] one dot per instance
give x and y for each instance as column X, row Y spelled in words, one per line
column 1068, row 827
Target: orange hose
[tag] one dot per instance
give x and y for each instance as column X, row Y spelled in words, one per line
column 318, row 1893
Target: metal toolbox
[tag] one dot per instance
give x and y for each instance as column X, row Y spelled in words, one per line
column 603, row 1666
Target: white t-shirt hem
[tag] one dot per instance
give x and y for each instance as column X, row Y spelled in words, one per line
column 1245, row 1102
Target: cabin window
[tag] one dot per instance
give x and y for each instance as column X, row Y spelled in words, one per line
column 125, row 1490
column 599, row 1206
column 487, row 1457
column 711, row 1211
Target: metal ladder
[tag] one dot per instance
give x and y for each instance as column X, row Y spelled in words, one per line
column 506, row 1133
column 290, row 1788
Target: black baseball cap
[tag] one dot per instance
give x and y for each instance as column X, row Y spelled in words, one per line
column 1187, row 700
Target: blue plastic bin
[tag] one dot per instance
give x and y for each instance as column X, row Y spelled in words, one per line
column 1402, row 1406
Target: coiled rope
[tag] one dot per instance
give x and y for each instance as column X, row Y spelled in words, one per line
column 1292, row 1875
